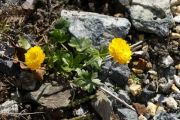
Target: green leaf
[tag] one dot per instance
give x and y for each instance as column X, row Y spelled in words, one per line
column 59, row 35
column 80, row 44
column 62, row 24
column 86, row 80
column 97, row 81
column 24, row 43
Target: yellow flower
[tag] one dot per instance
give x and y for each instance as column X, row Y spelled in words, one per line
column 34, row 57
column 120, row 50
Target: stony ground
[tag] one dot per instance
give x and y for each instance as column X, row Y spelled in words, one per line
column 149, row 84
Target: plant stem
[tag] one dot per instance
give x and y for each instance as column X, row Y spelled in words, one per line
column 120, row 100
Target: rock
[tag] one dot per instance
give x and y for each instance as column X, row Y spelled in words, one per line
column 159, row 98
column 174, row 2
column 164, row 116
column 140, row 108
column 127, row 114
column 152, row 16
column 115, row 72
column 9, row 106
column 137, row 71
column 79, row 112
column 166, row 87
column 168, row 72
column 177, row 80
column 176, row 96
column 152, row 72
column 99, row 28
column 177, row 67
column 151, row 108
column 3, row 92
column 135, row 89
column 160, row 109
column 9, row 68
column 167, row 61
column 175, row 35
column 175, row 89
column 177, row 28
column 103, row 106
column 29, row 4
column 51, row 96
column 141, row 117
column 145, row 96
column 124, row 95
column 28, row 81
column 177, row 19
column 171, row 103
column 123, row 2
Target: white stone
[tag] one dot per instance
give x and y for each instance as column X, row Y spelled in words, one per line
column 9, row 106
column 167, row 61
column 177, row 19
column 171, row 103
column 177, row 28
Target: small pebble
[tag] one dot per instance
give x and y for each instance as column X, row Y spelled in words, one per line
column 177, row 81
column 175, row 35
column 152, row 72
column 137, row 71
column 167, row 61
column 141, row 117
column 160, row 109
column 175, row 89
column 177, row 19
column 151, row 108
column 178, row 10
column 171, row 103
column 177, row 28
column 135, row 89
column 177, row 67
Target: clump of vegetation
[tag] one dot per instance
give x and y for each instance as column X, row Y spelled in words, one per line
column 72, row 58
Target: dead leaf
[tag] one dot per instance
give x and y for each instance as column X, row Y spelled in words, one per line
column 23, row 66
column 39, row 73
column 20, row 53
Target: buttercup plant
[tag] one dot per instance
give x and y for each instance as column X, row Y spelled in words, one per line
column 34, row 57
column 120, row 51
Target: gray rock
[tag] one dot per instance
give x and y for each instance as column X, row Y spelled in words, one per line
column 124, row 95
column 145, row 96
column 164, row 116
column 103, row 106
column 177, row 80
column 9, row 106
column 119, row 74
column 167, row 61
column 166, row 87
column 152, row 16
column 124, row 2
column 115, row 72
column 127, row 114
column 28, row 81
column 176, row 96
column 99, row 28
column 51, row 96
column 9, row 68
column 168, row 72
column 159, row 98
